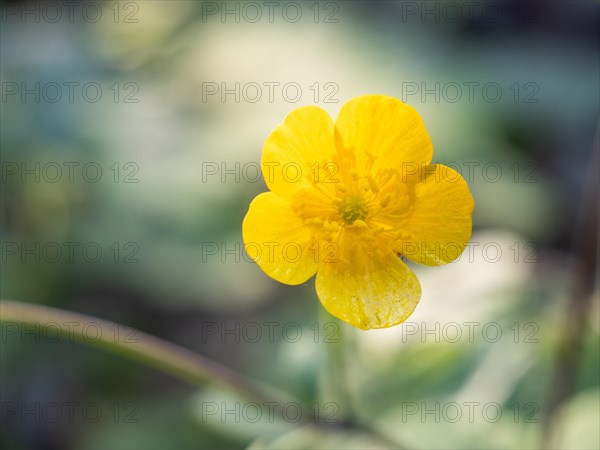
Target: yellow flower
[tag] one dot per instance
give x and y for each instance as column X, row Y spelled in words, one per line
column 348, row 199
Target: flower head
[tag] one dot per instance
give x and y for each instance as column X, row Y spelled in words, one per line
column 348, row 199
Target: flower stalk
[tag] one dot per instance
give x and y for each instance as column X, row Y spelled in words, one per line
column 334, row 389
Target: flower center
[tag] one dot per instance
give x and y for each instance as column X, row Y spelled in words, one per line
column 353, row 208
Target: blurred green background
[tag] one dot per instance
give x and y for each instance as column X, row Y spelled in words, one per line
column 130, row 137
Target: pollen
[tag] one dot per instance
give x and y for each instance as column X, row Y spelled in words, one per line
column 353, row 209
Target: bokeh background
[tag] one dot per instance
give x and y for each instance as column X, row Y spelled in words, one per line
column 155, row 113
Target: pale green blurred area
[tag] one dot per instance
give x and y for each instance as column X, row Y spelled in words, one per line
column 176, row 287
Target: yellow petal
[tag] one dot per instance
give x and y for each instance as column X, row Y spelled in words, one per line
column 378, row 295
column 293, row 151
column 278, row 240
column 439, row 226
column 388, row 129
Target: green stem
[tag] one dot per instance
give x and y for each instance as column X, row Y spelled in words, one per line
column 333, row 382
column 162, row 355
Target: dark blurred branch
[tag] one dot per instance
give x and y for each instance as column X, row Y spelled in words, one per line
column 142, row 347
column 583, row 266
column 165, row 356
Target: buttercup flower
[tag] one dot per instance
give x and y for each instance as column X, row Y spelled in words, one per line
column 348, row 200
